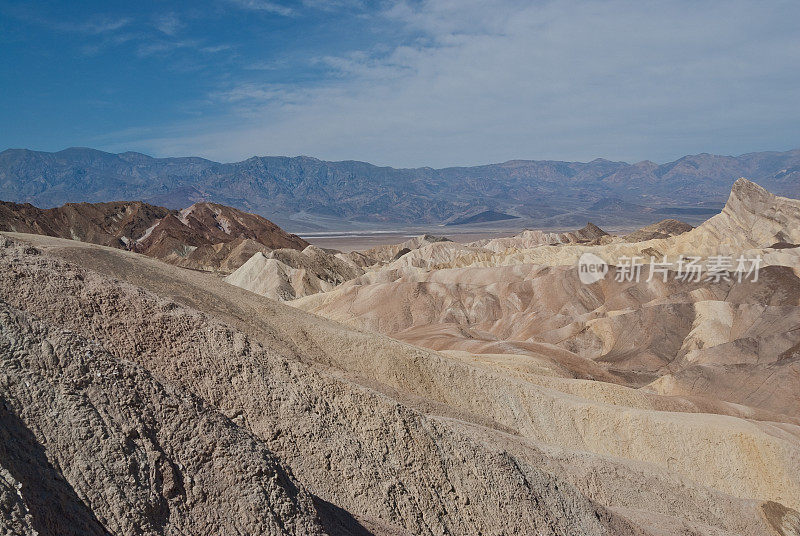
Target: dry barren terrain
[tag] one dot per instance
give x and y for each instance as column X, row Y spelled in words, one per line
column 143, row 398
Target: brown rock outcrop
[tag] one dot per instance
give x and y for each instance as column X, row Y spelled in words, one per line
column 205, row 236
column 661, row 229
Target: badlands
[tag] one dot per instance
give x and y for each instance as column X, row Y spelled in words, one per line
column 204, row 236
column 429, row 387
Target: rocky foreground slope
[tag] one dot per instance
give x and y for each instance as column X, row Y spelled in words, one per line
column 92, row 444
column 384, row 438
column 360, row 452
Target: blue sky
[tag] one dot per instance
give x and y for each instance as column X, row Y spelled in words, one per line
column 409, row 83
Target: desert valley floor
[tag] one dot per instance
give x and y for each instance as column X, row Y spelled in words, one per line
column 204, row 372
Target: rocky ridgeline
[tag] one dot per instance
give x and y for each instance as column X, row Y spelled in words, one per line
column 204, row 236
column 545, row 193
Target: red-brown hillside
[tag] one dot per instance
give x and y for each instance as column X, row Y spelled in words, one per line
column 204, row 236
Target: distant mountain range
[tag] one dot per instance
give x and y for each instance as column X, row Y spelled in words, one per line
column 303, row 193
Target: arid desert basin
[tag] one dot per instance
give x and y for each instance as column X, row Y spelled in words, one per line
column 254, row 384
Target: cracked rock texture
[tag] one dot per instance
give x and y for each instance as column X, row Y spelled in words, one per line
column 93, row 444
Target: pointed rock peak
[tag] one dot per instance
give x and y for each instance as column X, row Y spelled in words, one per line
column 755, row 218
column 749, row 195
column 743, row 186
column 433, row 238
column 593, row 230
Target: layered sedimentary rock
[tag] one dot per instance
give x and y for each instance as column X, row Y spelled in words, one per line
column 286, row 274
column 352, row 446
column 726, row 347
column 540, row 405
column 205, row 236
column 407, row 440
column 389, row 253
column 590, row 235
column 753, row 222
column 661, row 229
column 733, row 340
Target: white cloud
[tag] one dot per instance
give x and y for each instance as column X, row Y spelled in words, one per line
column 153, row 47
column 331, row 5
column 168, row 23
column 217, row 48
column 265, row 6
column 96, row 26
column 570, row 79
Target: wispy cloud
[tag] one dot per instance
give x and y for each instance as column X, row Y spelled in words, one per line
column 213, row 49
column 265, row 6
column 252, row 94
column 331, row 5
column 97, row 26
column 168, row 23
column 265, row 65
column 153, row 47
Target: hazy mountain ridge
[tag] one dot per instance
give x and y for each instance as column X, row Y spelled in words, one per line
column 286, row 188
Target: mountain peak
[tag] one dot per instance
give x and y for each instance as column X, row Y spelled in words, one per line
column 747, row 196
column 745, row 187
column 758, row 214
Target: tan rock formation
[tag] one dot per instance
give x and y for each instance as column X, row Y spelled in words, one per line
column 286, row 274
column 322, row 396
column 389, row 253
column 591, row 234
column 395, row 468
column 752, row 222
column 552, row 406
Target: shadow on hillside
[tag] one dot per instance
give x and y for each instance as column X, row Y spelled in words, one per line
column 337, row 521
column 54, row 506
